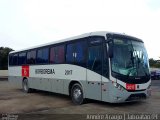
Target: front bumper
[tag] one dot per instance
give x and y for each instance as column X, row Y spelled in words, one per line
column 118, row 96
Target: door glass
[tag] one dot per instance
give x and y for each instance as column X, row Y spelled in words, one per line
column 95, row 59
column 105, row 62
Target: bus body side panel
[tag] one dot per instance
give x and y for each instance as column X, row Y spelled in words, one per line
column 105, row 89
column 14, row 76
column 59, row 78
column 93, row 85
column 56, row 78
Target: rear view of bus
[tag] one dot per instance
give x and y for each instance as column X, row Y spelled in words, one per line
column 129, row 69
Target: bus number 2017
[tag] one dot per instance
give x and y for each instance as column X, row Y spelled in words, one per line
column 68, row 72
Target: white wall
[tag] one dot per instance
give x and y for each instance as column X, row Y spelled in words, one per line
column 3, row 73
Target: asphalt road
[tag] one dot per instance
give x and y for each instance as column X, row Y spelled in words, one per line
column 155, row 83
column 46, row 105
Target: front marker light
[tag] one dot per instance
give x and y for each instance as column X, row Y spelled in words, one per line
column 116, row 85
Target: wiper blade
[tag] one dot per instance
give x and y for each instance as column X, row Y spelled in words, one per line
column 131, row 70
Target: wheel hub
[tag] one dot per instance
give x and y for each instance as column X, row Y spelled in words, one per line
column 77, row 93
column 25, row 86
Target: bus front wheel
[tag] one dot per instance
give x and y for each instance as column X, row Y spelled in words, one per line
column 25, row 86
column 77, row 94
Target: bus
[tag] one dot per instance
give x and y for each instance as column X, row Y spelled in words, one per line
column 103, row 66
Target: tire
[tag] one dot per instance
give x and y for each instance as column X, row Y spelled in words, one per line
column 77, row 94
column 25, row 86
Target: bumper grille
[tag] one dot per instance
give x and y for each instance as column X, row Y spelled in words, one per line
column 138, row 96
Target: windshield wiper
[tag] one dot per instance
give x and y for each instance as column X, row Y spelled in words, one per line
column 131, row 70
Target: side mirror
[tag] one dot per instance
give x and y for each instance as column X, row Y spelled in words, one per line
column 110, row 50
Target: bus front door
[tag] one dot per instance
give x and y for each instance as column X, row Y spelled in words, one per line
column 94, row 71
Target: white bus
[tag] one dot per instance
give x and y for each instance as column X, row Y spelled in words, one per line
column 103, row 66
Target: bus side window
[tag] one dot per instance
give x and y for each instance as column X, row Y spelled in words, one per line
column 57, row 54
column 42, row 56
column 31, row 57
column 22, row 58
column 10, row 59
column 80, row 53
column 95, row 59
column 52, row 55
column 15, row 59
column 60, row 54
column 70, row 54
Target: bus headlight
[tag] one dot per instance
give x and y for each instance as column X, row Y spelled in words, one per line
column 116, row 85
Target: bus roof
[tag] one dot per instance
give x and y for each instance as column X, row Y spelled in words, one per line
column 99, row 33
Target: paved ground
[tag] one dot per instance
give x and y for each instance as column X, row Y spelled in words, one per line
column 13, row 101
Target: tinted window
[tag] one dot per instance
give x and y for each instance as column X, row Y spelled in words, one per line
column 80, row 53
column 15, row 59
column 95, row 59
column 42, row 55
column 31, row 57
column 52, row 55
column 57, row 54
column 10, row 59
column 60, row 54
column 70, row 53
column 22, row 58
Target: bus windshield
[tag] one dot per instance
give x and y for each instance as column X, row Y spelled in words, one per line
column 129, row 58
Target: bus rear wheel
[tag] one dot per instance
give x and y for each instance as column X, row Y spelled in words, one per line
column 77, row 94
column 25, row 86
